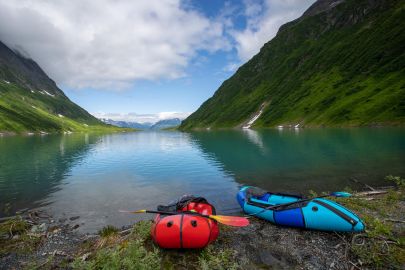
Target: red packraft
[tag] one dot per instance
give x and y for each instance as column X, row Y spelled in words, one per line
column 185, row 230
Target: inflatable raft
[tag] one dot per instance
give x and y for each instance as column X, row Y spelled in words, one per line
column 316, row 214
column 185, row 230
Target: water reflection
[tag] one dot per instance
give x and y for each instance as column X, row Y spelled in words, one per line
column 138, row 171
column 302, row 159
column 33, row 167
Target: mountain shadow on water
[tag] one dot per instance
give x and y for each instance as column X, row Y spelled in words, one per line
column 33, row 167
column 300, row 160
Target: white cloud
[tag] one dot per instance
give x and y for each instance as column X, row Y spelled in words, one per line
column 106, row 43
column 263, row 21
column 110, row 44
column 142, row 118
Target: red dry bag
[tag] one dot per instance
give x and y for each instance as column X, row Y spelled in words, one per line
column 185, row 230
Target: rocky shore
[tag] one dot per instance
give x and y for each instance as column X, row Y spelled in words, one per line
column 35, row 240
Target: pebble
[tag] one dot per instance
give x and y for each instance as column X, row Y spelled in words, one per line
column 74, row 218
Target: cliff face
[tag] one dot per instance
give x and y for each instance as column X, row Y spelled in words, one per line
column 341, row 63
column 25, row 72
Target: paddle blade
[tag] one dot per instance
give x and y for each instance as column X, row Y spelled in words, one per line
column 341, row 194
column 231, row 221
column 133, row 212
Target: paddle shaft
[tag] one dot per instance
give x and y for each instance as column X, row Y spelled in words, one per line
column 176, row 213
column 227, row 220
column 275, row 207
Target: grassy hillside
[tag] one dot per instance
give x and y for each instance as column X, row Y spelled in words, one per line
column 23, row 111
column 31, row 102
column 340, row 67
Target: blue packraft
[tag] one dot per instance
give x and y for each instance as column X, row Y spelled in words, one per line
column 316, row 214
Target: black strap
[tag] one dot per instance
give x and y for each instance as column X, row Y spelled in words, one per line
column 259, row 204
column 275, row 207
column 183, row 202
column 337, row 212
column 258, row 192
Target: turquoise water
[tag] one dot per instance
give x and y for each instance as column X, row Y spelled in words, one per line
column 93, row 176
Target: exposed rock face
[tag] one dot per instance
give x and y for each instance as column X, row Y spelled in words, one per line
column 321, row 6
column 30, row 99
column 16, row 68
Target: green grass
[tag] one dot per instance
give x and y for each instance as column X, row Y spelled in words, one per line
column 127, row 253
column 108, row 231
column 326, row 69
column 136, row 251
column 130, row 256
column 212, row 258
column 383, row 243
column 23, row 111
column 15, row 237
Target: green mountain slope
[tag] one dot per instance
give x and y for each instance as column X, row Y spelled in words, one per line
column 341, row 64
column 30, row 101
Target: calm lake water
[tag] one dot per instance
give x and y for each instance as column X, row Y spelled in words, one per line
column 93, row 176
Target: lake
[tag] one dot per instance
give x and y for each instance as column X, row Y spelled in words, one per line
column 93, row 176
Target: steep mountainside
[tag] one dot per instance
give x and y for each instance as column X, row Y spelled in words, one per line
column 341, row 64
column 31, row 101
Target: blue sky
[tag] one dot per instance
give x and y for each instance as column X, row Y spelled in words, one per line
column 121, row 58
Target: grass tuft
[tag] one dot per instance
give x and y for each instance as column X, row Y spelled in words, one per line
column 222, row 259
column 15, row 237
column 126, row 253
column 382, row 245
column 108, row 231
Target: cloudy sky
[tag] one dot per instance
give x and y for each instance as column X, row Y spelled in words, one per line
column 144, row 57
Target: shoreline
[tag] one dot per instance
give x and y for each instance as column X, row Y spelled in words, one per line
column 4, row 133
column 293, row 127
column 43, row 133
column 37, row 241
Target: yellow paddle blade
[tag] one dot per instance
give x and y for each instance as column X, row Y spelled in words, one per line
column 133, row 212
column 231, row 220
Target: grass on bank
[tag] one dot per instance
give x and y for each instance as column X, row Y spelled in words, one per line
column 136, row 251
column 16, row 237
column 382, row 245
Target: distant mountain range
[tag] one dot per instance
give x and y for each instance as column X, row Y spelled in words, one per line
column 126, row 124
column 162, row 124
column 342, row 63
column 31, row 102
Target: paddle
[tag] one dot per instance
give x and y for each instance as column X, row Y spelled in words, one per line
column 227, row 220
column 338, row 194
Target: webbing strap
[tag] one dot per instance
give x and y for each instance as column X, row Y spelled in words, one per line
column 337, row 212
